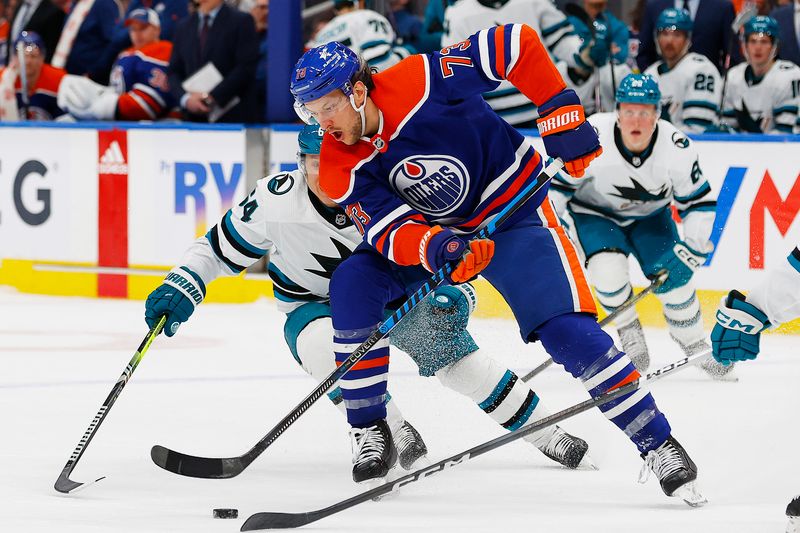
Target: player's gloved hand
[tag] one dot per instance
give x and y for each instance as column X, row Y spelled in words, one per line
column 681, row 261
column 177, row 297
column 440, row 246
column 737, row 333
column 566, row 134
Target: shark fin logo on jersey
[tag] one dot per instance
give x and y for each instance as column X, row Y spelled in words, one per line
column 432, row 184
column 639, row 194
column 680, row 140
column 281, row 184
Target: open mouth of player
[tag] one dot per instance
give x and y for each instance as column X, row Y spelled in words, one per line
column 337, row 134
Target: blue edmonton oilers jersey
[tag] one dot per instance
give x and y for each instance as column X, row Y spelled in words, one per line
column 441, row 155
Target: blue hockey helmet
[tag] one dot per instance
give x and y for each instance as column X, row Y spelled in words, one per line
column 762, row 25
column 310, row 139
column 29, row 40
column 322, row 70
column 638, row 89
column 674, row 19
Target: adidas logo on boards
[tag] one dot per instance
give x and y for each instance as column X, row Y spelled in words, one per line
column 112, row 161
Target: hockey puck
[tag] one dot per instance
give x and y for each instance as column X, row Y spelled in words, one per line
column 226, row 513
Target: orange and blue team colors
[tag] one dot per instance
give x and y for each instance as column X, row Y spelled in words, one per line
column 43, row 96
column 140, row 76
column 442, row 157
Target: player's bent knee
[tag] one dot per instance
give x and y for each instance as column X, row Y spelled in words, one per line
column 609, row 271
column 574, row 340
column 470, row 375
column 309, row 334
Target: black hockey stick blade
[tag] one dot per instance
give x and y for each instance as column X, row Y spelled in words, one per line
column 269, row 520
column 193, row 466
column 64, row 484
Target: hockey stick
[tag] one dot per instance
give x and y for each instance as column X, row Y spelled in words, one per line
column 228, row 467
column 64, row 483
column 661, row 277
column 741, row 19
column 268, row 520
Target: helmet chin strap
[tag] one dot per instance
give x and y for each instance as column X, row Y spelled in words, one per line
column 360, row 110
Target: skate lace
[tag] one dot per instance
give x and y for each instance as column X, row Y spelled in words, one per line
column 404, row 437
column 662, row 462
column 367, row 444
column 559, row 444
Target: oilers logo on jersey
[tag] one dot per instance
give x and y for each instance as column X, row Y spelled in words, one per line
column 432, row 184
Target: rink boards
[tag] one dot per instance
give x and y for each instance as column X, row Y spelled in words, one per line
column 101, row 210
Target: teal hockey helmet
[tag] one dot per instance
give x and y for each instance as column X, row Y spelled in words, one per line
column 310, row 139
column 762, row 25
column 674, row 19
column 638, row 89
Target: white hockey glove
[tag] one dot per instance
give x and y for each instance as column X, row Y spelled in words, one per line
column 87, row 100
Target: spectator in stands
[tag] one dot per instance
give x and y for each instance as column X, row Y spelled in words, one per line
column 39, row 16
column 430, row 38
column 139, row 84
column 219, row 36
column 259, row 10
column 788, row 18
column 636, row 15
column 606, row 26
column 87, row 33
column 169, row 13
column 691, row 86
column 762, row 94
column 32, row 96
column 712, row 30
column 407, row 24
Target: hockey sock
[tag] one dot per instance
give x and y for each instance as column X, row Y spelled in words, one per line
column 609, row 273
column 498, row 391
column 588, row 353
column 682, row 312
column 363, row 386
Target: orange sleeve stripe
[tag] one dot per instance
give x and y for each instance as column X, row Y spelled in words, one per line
column 500, row 50
column 129, row 109
column 368, row 363
column 406, row 243
column 534, row 73
column 394, row 226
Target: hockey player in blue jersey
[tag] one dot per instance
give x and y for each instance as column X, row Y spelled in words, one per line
column 307, row 237
column 421, row 164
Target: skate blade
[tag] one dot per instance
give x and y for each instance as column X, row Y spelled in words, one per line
column 689, row 493
column 713, row 373
column 395, row 472
column 794, row 525
column 422, row 462
column 587, row 463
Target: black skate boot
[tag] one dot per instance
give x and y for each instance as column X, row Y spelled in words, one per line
column 675, row 470
column 409, row 444
column 563, row 448
column 634, row 345
column 793, row 512
column 374, row 453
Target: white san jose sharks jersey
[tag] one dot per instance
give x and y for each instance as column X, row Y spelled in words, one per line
column 466, row 17
column 624, row 187
column 767, row 104
column 305, row 239
column 690, row 92
column 365, row 32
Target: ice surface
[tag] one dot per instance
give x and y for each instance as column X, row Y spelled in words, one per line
column 227, row 377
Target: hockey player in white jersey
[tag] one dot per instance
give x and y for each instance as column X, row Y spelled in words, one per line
column 307, row 235
column 741, row 319
column 690, row 83
column 467, row 17
column 762, row 94
column 366, row 32
column 622, row 208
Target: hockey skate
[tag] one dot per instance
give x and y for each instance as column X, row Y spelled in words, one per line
column 410, row 446
column 634, row 345
column 562, row 448
column 374, row 452
column 717, row 371
column 675, row 470
column 793, row 513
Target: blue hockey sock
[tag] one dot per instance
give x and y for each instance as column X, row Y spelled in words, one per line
column 364, row 386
